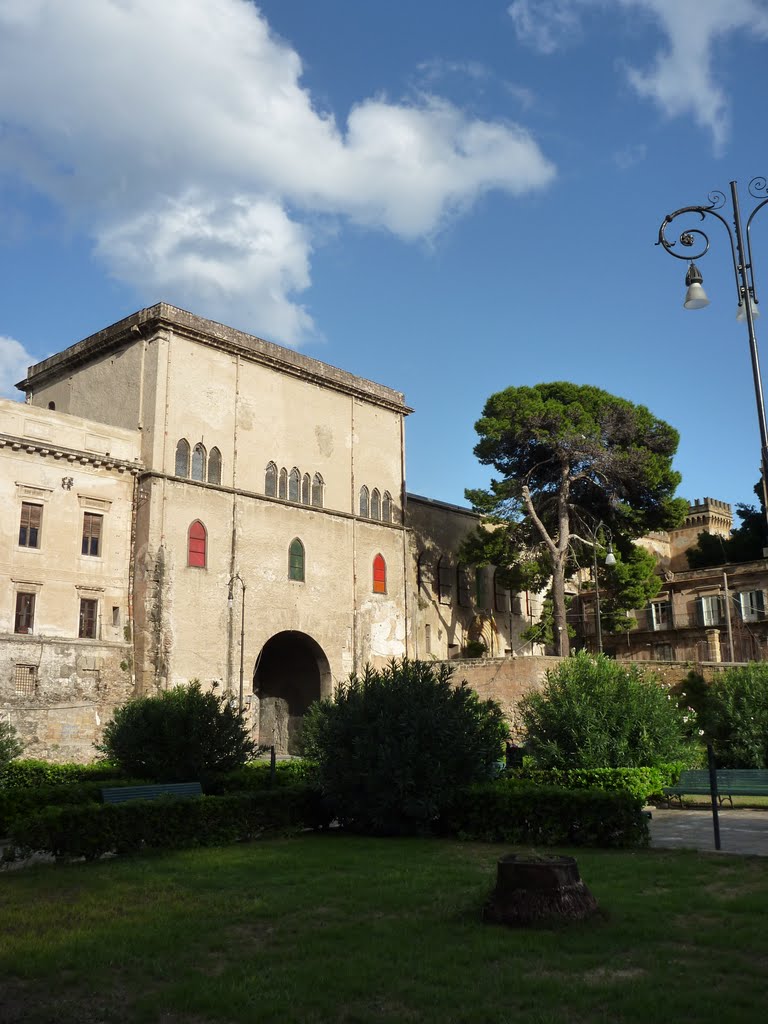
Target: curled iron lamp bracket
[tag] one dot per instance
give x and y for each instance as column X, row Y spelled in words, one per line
column 697, row 240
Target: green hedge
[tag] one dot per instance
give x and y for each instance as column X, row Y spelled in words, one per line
column 257, row 775
column 518, row 812
column 22, row 802
column 639, row 782
column 91, row 830
column 29, row 773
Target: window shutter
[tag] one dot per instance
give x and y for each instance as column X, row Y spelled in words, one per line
column 196, row 552
column 379, row 575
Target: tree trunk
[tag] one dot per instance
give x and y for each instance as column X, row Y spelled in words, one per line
column 560, row 626
column 538, row 890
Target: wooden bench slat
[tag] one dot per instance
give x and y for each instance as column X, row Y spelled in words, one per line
column 730, row 782
column 120, row 794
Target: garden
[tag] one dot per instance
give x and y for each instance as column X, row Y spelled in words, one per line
column 349, row 885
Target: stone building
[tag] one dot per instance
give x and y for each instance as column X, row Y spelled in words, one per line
column 211, row 506
column 67, row 489
column 699, row 615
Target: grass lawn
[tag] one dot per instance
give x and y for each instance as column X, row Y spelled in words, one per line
column 344, row 929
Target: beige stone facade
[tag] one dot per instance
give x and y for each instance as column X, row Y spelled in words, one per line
column 66, row 495
column 715, row 615
column 246, row 492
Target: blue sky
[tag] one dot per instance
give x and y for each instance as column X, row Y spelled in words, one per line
column 444, row 197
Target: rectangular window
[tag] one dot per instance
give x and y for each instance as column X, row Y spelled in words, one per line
column 751, row 605
column 712, row 610
column 661, row 615
column 29, row 526
column 500, row 596
column 444, row 583
column 26, row 680
column 464, row 588
column 115, row 616
column 25, row 613
column 92, row 534
column 663, row 652
column 428, row 639
column 88, row 610
column 480, row 592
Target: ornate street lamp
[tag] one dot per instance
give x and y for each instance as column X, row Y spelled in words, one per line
column 610, row 560
column 230, row 602
column 696, row 240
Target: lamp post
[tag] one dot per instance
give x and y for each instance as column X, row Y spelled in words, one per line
column 741, row 256
column 230, row 602
column 610, row 559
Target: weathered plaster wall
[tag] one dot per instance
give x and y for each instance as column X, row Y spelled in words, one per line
column 58, row 689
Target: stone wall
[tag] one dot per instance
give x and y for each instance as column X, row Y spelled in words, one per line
column 508, row 680
column 59, row 709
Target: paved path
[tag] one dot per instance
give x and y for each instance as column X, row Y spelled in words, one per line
column 741, row 831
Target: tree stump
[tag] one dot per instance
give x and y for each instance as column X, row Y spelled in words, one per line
column 538, row 890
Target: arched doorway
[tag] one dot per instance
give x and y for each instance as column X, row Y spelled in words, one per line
column 292, row 671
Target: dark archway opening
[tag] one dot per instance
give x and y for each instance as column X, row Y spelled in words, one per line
column 291, row 673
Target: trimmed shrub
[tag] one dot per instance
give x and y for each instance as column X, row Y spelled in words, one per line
column 258, row 775
column 394, row 746
column 181, row 735
column 641, row 783
column 30, row 773
column 505, row 811
column 595, row 713
column 91, row 830
column 735, row 716
column 22, row 802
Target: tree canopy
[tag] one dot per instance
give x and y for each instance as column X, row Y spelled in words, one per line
column 571, row 458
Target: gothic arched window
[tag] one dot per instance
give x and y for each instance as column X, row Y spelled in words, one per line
column 317, row 490
column 182, row 458
column 214, row 466
column 379, row 575
column 198, row 462
column 296, row 560
column 270, row 480
column 197, row 538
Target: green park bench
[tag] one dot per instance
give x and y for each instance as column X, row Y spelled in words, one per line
column 731, row 782
column 119, row 794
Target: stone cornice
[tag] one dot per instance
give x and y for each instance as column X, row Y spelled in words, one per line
column 68, row 456
column 146, row 322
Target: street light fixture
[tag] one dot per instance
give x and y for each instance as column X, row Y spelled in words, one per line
column 610, row 560
column 231, row 602
column 741, row 257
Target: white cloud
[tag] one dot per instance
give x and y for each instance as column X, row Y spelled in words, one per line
column 14, row 361
column 546, row 25
column 169, row 131
column 681, row 80
column 201, row 247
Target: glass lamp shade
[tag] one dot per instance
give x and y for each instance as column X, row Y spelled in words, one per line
column 741, row 312
column 695, row 297
column 610, row 559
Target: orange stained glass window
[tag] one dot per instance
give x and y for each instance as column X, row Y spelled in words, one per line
column 379, row 575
